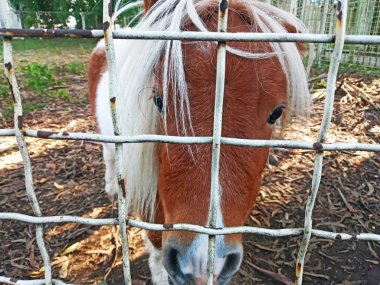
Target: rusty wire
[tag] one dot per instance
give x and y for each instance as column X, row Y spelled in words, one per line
column 216, row 139
column 195, row 140
column 341, row 19
column 190, row 36
column 188, row 227
column 113, row 95
column 18, row 123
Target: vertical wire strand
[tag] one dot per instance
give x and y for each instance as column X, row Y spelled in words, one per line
column 293, row 7
column 113, row 93
column 18, row 126
column 217, row 133
column 341, row 18
column 322, row 29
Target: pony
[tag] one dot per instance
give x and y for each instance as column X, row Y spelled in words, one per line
column 168, row 87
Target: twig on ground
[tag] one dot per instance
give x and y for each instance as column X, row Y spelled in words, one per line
column 343, row 198
column 352, row 88
column 317, row 78
column 276, row 276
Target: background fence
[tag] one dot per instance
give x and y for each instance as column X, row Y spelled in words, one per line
column 318, row 146
column 319, row 16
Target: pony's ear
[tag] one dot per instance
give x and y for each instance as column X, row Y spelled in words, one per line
column 302, row 47
column 148, row 4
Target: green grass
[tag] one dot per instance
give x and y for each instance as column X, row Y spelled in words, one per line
column 66, row 96
column 359, row 69
column 320, row 85
column 74, row 67
column 41, row 66
column 347, row 68
column 27, row 107
column 37, row 76
column 30, row 44
column 4, row 90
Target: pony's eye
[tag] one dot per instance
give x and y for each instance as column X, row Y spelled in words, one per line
column 276, row 114
column 158, row 100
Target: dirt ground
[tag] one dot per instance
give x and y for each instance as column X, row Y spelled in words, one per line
column 68, row 177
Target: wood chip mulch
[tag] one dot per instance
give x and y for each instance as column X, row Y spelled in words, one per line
column 68, row 177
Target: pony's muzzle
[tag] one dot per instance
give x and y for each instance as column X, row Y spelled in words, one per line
column 188, row 265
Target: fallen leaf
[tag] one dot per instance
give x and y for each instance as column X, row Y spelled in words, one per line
column 371, row 189
column 64, row 269
column 4, row 201
column 70, row 249
column 276, row 276
column 58, row 186
column 19, row 266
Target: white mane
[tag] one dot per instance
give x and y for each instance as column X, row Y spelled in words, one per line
column 8, row 16
column 136, row 60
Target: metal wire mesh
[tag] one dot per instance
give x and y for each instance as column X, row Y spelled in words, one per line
column 319, row 146
column 363, row 18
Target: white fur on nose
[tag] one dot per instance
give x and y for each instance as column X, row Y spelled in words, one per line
column 159, row 274
column 194, row 261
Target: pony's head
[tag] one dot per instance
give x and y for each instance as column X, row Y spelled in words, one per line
column 264, row 82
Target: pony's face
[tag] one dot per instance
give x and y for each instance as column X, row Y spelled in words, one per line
column 255, row 97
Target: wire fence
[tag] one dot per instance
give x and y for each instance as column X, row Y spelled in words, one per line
column 363, row 18
column 319, row 146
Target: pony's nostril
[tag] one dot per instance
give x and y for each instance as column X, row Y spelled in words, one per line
column 172, row 266
column 231, row 265
column 188, row 265
column 171, row 261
